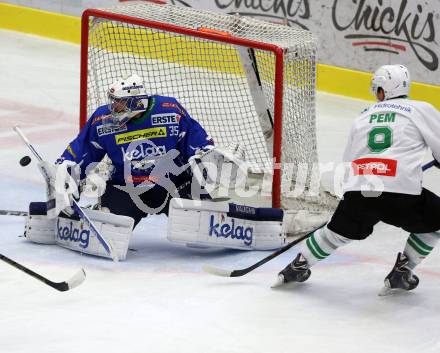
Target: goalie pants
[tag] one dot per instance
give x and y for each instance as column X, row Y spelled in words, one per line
column 122, row 203
column 356, row 215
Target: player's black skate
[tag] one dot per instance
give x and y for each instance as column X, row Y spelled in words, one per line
column 400, row 278
column 297, row 271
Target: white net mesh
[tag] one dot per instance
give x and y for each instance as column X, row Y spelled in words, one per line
column 208, row 78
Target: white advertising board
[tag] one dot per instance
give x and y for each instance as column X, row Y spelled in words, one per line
column 356, row 34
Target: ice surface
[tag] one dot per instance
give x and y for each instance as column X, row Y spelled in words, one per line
column 159, row 300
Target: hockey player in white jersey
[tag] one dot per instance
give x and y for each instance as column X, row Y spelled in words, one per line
column 385, row 150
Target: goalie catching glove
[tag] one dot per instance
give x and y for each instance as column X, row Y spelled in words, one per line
column 61, row 187
column 219, row 169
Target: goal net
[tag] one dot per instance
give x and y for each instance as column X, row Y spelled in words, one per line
column 246, row 81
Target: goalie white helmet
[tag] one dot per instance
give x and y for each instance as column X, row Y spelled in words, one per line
column 127, row 98
column 393, row 79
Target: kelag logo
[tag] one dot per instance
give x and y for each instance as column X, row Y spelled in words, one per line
column 231, row 230
column 269, row 10
column 388, row 29
column 143, row 151
column 73, row 234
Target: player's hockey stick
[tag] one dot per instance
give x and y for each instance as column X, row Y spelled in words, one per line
column 105, row 244
column 238, row 273
column 429, row 165
column 73, row 282
column 13, row 213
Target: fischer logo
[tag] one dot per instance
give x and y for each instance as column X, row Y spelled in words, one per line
column 375, row 166
column 142, row 151
column 144, row 134
column 165, row 119
column 231, row 230
column 73, row 234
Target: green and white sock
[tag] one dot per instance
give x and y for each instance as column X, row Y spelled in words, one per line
column 420, row 245
column 321, row 244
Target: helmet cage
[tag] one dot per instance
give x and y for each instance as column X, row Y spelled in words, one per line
column 124, row 108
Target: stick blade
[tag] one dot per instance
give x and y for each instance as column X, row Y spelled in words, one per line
column 387, row 292
column 73, row 282
column 279, row 282
column 77, row 279
column 216, row 271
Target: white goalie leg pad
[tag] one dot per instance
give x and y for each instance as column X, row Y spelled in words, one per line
column 76, row 235
column 38, row 227
column 227, row 225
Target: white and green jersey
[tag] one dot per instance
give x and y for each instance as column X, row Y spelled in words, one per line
column 387, row 146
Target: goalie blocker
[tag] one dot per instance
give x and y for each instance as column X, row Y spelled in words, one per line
column 72, row 233
column 226, row 225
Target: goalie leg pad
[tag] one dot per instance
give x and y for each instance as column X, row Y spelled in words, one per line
column 226, row 225
column 38, row 227
column 75, row 235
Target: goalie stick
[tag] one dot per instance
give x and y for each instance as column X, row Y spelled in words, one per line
column 13, row 213
column 238, row 273
column 429, row 165
column 249, row 63
column 73, row 282
column 105, row 244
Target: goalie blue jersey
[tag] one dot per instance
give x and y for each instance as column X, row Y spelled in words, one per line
column 165, row 135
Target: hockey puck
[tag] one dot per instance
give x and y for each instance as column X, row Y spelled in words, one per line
column 25, row 161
